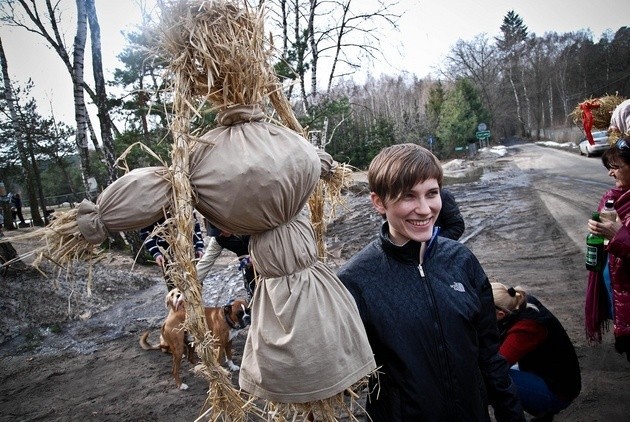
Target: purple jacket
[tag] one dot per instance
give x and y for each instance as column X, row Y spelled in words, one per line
column 619, row 253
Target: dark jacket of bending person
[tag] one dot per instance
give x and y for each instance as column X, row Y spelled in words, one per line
column 450, row 220
column 545, row 366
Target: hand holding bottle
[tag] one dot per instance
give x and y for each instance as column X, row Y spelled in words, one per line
column 608, row 229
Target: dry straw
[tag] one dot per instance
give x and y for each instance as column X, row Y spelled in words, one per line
column 601, row 109
column 218, row 54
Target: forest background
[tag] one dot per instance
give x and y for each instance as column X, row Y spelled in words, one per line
column 518, row 84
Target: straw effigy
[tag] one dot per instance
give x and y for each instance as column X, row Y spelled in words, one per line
column 218, row 54
column 595, row 113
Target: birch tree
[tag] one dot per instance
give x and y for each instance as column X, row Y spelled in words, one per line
column 21, row 139
column 45, row 21
column 106, row 124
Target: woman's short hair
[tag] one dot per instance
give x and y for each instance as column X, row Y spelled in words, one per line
column 617, row 154
column 398, row 168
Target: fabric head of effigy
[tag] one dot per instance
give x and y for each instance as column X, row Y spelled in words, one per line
column 252, row 175
column 255, row 177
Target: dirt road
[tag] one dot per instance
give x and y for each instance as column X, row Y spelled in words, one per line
column 92, row 367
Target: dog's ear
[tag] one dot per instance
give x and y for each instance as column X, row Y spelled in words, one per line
column 227, row 309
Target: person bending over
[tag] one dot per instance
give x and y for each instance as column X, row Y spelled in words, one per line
column 239, row 245
column 545, row 366
column 156, row 245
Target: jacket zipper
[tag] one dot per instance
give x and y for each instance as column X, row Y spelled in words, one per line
column 446, row 363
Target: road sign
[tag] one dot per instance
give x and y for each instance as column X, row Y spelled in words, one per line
column 481, row 127
column 482, row 134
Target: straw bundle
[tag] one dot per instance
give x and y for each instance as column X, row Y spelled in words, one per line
column 328, row 190
column 61, row 242
column 199, row 37
column 189, row 30
column 601, row 108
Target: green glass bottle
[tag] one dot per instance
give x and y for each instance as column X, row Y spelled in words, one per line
column 595, row 249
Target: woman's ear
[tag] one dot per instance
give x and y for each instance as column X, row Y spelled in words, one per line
column 377, row 203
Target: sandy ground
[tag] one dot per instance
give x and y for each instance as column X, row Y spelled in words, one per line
column 67, row 356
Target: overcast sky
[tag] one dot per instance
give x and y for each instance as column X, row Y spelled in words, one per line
column 428, row 29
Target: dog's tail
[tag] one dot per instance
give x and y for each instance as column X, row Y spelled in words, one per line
column 144, row 342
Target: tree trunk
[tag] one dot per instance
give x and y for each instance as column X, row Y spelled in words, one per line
column 519, row 116
column 22, row 150
column 101, row 95
column 300, row 44
column 528, row 127
column 80, row 111
column 38, row 192
column 314, row 50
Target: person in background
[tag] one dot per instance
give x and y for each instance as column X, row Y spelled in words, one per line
column 155, row 244
column 545, row 366
column 239, row 245
column 617, row 161
column 450, row 220
column 431, row 324
column 16, row 203
column 620, row 119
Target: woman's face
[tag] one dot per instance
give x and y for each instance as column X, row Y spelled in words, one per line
column 621, row 173
column 413, row 215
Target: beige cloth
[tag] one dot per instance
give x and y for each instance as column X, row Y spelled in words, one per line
column 306, row 341
column 620, row 118
column 136, row 200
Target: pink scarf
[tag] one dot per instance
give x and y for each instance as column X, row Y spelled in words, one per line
column 596, row 320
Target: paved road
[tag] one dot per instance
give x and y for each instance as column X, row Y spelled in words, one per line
column 569, row 185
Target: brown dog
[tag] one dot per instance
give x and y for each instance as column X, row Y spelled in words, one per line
column 224, row 322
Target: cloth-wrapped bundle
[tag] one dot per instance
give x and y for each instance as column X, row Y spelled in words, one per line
column 300, row 307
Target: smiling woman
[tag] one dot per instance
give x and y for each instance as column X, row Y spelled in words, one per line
column 446, row 312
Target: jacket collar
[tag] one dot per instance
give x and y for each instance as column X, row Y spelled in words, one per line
column 410, row 251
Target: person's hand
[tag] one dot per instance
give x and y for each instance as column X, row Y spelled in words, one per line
column 608, row 229
column 159, row 260
column 199, row 253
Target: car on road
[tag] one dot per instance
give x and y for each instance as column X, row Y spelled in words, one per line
column 601, row 144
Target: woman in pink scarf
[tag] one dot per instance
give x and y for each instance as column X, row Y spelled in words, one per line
column 617, row 161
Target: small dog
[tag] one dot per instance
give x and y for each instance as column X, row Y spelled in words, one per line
column 224, row 322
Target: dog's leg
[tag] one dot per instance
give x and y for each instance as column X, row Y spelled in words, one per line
column 175, row 338
column 177, row 362
column 228, row 357
column 190, row 350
